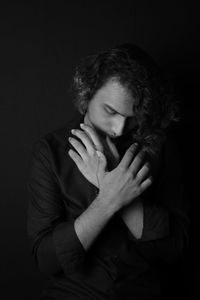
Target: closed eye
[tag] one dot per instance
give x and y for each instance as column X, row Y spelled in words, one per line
column 109, row 110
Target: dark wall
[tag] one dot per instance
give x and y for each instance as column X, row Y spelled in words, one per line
column 41, row 42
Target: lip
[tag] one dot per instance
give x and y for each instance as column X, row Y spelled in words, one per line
column 111, row 135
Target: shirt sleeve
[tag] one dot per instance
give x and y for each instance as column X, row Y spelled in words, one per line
column 165, row 234
column 53, row 240
column 156, row 222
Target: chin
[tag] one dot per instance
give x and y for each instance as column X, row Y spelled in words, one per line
column 101, row 132
column 113, row 136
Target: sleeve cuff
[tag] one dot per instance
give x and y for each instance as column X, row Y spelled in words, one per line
column 69, row 249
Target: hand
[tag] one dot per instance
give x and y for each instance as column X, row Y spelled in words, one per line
column 127, row 181
column 87, row 158
column 124, row 183
column 108, row 147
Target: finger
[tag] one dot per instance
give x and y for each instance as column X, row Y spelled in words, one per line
column 128, row 156
column 137, row 162
column 75, row 157
column 113, row 148
column 102, row 163
column 145, row 184
column 93, row 135
column 143, row 173
column 85, row 140
column 78, row 147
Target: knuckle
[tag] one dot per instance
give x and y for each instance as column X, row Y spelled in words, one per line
column 72, row 140
column 81, row 133
column 86, row 159
column 93, row 153
column 147, row 165
column 74, row 131
column 78, row 133
column 136, row 192
column 140, row 155
column 75, row 142
column 131, row 150
column 130, row 174
column 121, row 168
column 139, row 191
column 135, row 146
column 88, row 129
column 138, row 178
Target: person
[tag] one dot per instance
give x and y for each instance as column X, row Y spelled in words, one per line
column 106, row 213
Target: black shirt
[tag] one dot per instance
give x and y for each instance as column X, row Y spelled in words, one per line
column 117, row 266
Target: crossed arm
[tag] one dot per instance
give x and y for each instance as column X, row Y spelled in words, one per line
column 92, row 163
column 55, row 244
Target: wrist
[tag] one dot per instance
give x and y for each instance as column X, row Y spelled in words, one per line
column 109, row 205
column 137, row 202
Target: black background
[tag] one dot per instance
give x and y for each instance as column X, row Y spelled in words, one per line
column 41, row 42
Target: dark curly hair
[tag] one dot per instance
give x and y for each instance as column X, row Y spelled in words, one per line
column 155, row 107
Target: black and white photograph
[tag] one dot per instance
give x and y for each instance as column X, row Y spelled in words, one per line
column 99, row 105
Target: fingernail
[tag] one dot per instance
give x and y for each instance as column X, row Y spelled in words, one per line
column 81, row 125
column 134, row 145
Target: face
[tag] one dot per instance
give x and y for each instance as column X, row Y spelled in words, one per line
column 110, row 111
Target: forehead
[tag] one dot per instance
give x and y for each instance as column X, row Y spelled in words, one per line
column 117, row 96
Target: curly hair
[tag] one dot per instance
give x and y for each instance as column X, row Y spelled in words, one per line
column 155, row 107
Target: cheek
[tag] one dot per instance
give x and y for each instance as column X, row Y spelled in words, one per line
column 104, row 123
column 99, row 118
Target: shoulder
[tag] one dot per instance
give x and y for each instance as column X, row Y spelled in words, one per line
column 49, row 151
column 55, row 140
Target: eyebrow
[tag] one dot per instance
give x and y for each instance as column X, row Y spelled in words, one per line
column 110, row 107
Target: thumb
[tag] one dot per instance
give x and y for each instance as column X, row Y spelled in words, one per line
column 102, row 162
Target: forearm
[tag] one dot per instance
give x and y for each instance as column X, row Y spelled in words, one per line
column 46, row 258
column 53, row 252
column 132, row 215
column 90, row 223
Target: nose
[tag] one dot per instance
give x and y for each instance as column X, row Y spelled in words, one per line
column 118, row 126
